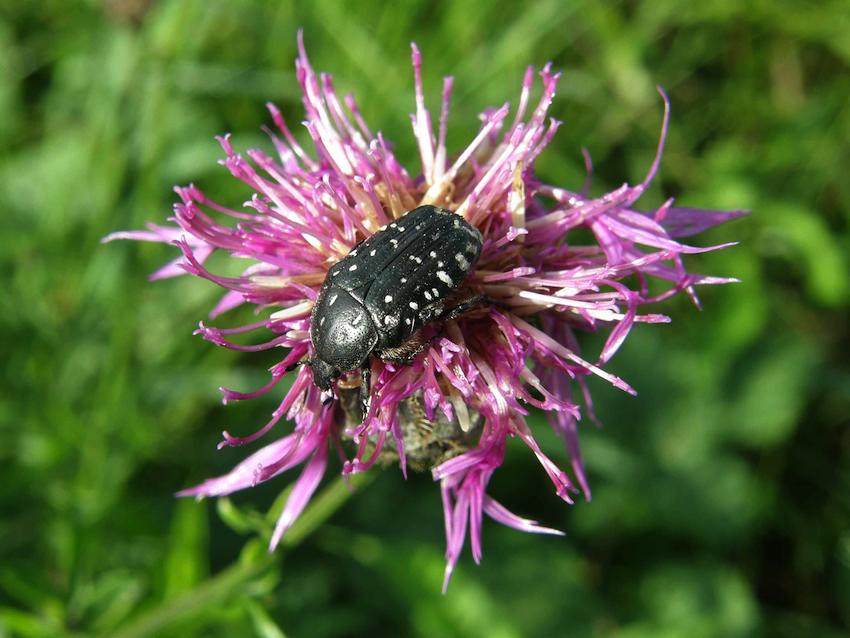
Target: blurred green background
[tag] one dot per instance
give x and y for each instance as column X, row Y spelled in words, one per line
column 721, row 493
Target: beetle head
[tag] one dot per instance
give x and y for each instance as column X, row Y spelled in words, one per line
column 324, row 374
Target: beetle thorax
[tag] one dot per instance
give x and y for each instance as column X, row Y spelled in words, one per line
column 342, row 331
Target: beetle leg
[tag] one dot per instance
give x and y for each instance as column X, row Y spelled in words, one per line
column 365, row 390
column 408, row 357
column 404, row 354
column 464, row 307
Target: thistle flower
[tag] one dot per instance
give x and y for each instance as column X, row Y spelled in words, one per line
column 452, row 410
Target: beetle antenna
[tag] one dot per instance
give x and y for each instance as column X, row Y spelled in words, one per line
column 300, row 362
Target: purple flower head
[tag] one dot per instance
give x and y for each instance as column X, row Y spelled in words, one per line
column 452, row 410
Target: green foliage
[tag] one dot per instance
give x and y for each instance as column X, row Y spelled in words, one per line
column 720, row 493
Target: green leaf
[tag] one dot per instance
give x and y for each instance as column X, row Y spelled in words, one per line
column 822, row 253
column 186, row 562
column 242, row 519
column 772, row 394
column 263, row 624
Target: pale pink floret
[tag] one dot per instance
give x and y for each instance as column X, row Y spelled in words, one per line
column 309, row 211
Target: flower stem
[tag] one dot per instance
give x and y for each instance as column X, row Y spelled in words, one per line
column 324, row 505
column 231, row 580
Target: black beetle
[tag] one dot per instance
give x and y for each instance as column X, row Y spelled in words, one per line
column 389, row 286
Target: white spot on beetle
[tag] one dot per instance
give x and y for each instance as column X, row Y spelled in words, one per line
column 353, row 253
column 427, row 295
column 413, row 305
column 432, row 254
column 322, row 321
column 393, row 225
column 443, row 276
column 401, row 229
column 404, row 280
column 461, row 260
column 418, row 260
column 456, row 223
column 372, row 252
column 388, row 299
column 440, row 264
column 394, row 242
column 352, row 267
column 332, row 300
column 388, row 320
column 435, row 292
column 407, row 320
